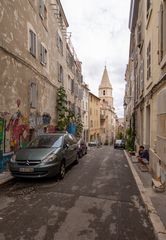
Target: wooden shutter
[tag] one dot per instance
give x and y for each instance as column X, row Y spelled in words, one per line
column 41, row 8
column 32, row 43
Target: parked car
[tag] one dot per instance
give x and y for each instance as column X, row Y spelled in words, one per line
column 46, row 155
column 95, row 144
column 82, row 147
column 119, row 143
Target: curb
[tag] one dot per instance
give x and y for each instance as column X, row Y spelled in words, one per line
column 157, row 224
column 6, row 179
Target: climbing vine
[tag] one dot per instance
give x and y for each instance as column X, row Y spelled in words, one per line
column 61, row 108
column 67, row 116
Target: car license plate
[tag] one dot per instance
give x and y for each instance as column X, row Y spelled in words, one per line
column 26, row 170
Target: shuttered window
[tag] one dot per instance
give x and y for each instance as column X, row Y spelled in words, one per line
column 139, row 37
column 161, row 123
column 33, row 95
column 160, row 51
column 72, row 85
column 43, row 55
column 148, row 6
column 59, row 43
column 149, row 61
column 162, row 32
column 60, row 73
column 42, row 9
column 32, row 43
column 69, row 83
column 141, row 77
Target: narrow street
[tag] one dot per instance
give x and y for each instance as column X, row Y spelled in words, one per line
column 98, row 199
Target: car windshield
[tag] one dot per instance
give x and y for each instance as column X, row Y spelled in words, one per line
column 46, row 141
column 118, row 141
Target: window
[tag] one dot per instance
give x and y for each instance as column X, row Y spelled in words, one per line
column 42, row 9
column 72, row 85
column 60, row 73
column 149, row 61
column 148, row 6
column 59, row 43
column 33, row 95
column 161, row 125
column 69, row 83
column 139, row 37
column 32, row 43
column 91, row 123
column 141, row 77
column 43, row 55
column 103, row 92
column 162, row 32
column 76, row 90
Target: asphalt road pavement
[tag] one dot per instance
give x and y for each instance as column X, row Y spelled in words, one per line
column 97, row 200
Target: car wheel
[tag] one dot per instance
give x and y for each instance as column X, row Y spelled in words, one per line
column 62, row 170
column 77, row 159
column 86, row 151
column 80, row 154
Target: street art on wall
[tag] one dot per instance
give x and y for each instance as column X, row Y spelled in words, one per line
column 19, row 130
column 16, row 130
column 2, row 125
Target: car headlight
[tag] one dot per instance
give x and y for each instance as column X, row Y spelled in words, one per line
column 13, row 158
column 49, row 158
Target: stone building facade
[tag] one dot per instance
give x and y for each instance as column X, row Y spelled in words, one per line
column 36, row 58
column 94, row 117
column 85, row 109
column 146, row 80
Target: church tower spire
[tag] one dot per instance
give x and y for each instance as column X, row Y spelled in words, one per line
column 105, row 89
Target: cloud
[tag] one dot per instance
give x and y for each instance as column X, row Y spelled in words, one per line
column 100, row 36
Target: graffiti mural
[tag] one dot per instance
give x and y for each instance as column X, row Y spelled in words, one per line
column 19, row 131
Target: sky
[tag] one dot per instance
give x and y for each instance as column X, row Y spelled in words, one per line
column 100, row 36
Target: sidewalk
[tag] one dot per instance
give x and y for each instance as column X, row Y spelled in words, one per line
column 5, row 176
column 155, row 203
